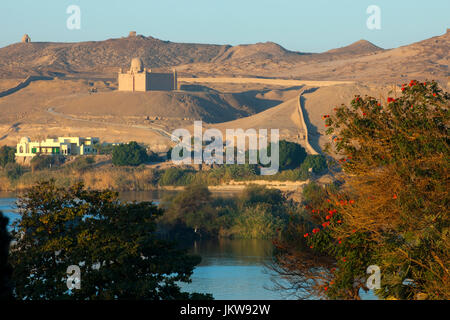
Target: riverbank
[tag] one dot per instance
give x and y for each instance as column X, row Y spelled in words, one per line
column 101, row 176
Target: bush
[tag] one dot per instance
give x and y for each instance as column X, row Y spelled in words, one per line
column 292, row 154
column 7, row 155
column 176, row 177
column 392, row 208
column 318, row 163
column 14, row 171
column 42, row 162
column 131, row 154
column 82, row 163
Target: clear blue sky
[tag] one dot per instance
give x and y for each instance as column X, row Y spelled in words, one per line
column 308, row 26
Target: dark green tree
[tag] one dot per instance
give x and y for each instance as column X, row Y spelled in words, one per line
column 5, row 268
column 291, row 154
column 113, row 242
column 192, row 208
column 7, row 155
column 131, row 154
column 14, row 171
column 317, row 162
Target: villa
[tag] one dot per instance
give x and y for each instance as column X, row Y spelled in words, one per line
column 58, row 146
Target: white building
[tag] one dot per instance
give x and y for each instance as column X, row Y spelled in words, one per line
column 58, row 146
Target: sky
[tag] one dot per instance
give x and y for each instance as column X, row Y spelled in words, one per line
column 306, row 26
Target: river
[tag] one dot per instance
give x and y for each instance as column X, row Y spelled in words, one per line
column 230, row 269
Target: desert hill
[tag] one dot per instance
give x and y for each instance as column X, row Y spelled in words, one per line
column 51, row 58
column 360, row 47
column 361, row 60
column 210, row 107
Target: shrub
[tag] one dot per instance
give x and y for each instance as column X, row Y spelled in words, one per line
column 14, row 171
column 318, row 163
column 41, row 162
column 131, row 154
column 7, row 155
column 392, row 208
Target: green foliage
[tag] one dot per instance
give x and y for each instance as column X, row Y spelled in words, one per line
column 131, row 154
column 255, row 194
column 393, row 208
column 14, row 171
column 42, row 162
column 113, row 242
column 192, row 209
column 105, row 148
column 5, row 268
column 318, row 163
column 291, row 154
column 7, row 155
column 82, row 163
column 258, row 222
column 257, row 213
column 175, row 177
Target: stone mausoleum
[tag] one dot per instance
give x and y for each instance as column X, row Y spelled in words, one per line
column 139, row 78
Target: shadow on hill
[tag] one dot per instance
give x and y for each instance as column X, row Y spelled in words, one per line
column 313, row 132
column 196, row 88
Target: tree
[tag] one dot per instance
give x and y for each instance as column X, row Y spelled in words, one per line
column 192, row 208
column 292, row 154
column 392, row 208
column 131, row 154
column 317, row 162
column 7, row 155
column 14, row 171
column 5, row 268
column 113, row 243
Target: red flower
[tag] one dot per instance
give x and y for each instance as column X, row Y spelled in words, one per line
column 306, row 235
column 434, row 94
column 394, row 196
column 340, row 242
column 364, row 113
column 325, row 288
column 390, row 99
column 327, row 217
column 311, row 247
column 403, row 89
column 339, row 221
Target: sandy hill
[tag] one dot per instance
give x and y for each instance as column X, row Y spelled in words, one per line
column 361, row 60
column 360, row 47
column 259, row 51
column 107, row 56
column 211, row 107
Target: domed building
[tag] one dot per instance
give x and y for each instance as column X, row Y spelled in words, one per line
column 141, row 79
